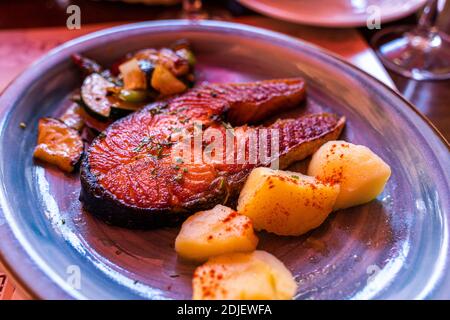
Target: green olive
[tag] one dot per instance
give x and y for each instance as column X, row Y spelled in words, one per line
column 133, row 95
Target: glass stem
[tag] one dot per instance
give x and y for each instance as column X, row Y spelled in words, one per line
column 428, row 18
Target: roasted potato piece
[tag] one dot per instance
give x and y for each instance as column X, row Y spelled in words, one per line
column 133, row 77
column 361, row 174
column 214, row 232
column 165, row 82
column 286, row 203
column 58, row 144
column 243, row 276
column 175, row 63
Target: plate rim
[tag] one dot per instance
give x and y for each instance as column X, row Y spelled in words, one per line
column 10, row 238
column 281, row 15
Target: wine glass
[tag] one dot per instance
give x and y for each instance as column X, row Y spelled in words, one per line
column 421, row 52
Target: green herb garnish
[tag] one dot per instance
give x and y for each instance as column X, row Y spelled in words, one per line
column 158, row 108
column 142, row 144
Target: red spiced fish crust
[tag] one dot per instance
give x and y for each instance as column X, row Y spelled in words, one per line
column 130, row 178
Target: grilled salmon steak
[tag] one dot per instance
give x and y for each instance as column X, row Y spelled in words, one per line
column 150, row 169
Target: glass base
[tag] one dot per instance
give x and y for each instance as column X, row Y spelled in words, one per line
column 414, row 54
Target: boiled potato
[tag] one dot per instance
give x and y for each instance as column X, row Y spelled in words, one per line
column 243, row 276
column 165, row 82
column 214, row 232
column 286, row 203
column 360, row 172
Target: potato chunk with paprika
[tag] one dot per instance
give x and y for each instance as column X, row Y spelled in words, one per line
column 286, row 203
column 214, row 232
column 361, row 174
column 243, row 276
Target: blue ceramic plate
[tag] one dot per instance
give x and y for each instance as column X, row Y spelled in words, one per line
column 394, row 247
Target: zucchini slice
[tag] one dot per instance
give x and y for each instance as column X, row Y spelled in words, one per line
column 94, row 124
column 121, row 110
column 94, row 96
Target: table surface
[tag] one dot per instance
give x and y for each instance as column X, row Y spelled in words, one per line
column 25, row 37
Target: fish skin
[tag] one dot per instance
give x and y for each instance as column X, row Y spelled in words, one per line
column 133, row 182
